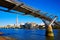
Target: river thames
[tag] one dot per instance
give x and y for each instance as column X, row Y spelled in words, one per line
column 28, row 34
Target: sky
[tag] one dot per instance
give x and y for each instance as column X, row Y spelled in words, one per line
column 49, row 6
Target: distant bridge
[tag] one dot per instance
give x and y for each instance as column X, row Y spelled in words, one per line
column 11, row 5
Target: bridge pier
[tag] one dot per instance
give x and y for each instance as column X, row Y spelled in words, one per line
column 49, row 30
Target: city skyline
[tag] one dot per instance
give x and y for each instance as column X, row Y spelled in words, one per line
column 49, row 6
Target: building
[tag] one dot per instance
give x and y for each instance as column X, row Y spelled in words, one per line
column 27, row 25
column 31, row 25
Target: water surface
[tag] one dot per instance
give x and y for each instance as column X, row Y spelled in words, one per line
column 27, row 34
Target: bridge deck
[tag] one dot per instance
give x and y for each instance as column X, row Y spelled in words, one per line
column 25, row 9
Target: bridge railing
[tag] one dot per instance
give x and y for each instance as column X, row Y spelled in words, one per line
column 14, row 2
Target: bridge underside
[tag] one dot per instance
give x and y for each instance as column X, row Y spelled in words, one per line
column 24, row 9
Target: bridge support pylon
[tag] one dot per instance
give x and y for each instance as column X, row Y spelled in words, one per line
column 49, row 30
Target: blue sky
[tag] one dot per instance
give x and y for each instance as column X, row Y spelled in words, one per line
column 49, row 6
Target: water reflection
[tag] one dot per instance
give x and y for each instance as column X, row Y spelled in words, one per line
column 49, row 38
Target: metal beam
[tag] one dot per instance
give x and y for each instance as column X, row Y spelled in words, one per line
column 23, row 8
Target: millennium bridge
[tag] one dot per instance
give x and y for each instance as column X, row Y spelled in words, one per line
column 27, row 10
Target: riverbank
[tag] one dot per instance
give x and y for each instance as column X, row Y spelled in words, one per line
column 6, row 38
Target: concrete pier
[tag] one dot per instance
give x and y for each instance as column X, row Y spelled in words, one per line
column 49, row 31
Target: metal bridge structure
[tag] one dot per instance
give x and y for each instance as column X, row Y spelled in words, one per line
column 27, row 10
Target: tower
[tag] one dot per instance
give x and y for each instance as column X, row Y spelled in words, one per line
column 17, row 20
